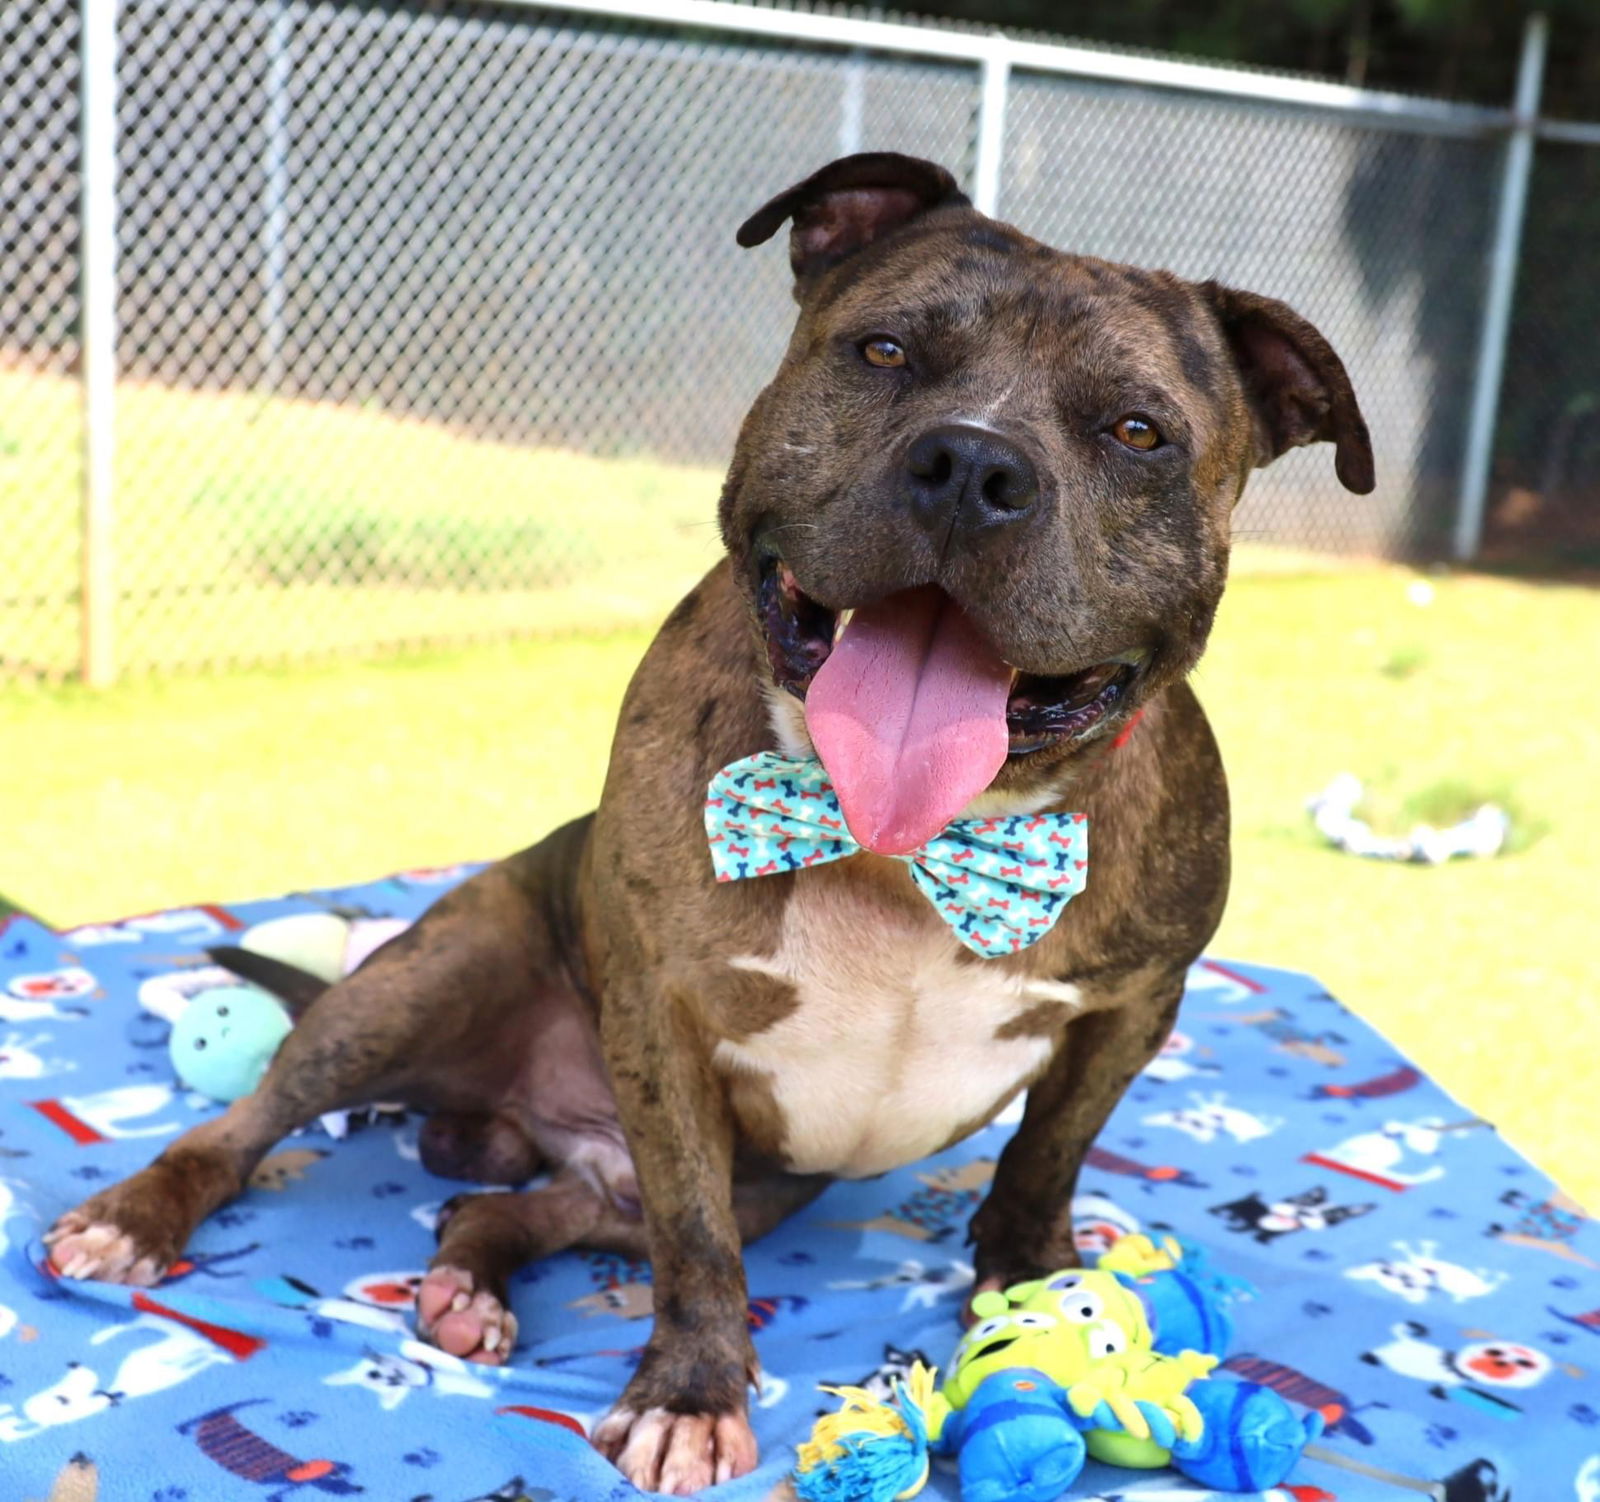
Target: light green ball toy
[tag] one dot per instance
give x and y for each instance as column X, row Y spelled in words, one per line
column 226, row 1037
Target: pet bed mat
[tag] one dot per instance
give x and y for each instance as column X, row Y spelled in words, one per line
column 1425, row 1288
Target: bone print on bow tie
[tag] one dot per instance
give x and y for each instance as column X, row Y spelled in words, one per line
column 999, row 883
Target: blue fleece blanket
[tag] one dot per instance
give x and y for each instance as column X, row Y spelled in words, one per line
column 1431, row 1293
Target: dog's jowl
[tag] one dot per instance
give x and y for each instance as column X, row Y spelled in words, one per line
column 909, row 809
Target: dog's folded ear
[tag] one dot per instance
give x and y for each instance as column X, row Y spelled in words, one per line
column 1296, row 386
column 847, row 205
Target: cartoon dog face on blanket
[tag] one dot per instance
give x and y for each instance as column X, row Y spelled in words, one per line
column 393, row 1377
column 924, row 1285
column 1399, row 1155
column 1418, row 1272
column 34, row 998
column 1267, row 1220
column 1210, row 1117
column 76, row 1396
column 176, row 1356
column 1482, row 1363
column 19, row 1059
column 1098, row 1223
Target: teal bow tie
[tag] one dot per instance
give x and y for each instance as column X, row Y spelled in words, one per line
column 999, row 883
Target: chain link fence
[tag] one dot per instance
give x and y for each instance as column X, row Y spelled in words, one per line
column 40, row 424
column 1547, row 460
column 1349, row 224
column 431, row 327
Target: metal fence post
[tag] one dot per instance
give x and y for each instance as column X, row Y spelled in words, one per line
column 98, row 269
column 995, row 85
column 1502, row 283
column 276, row 216
column 852, row 104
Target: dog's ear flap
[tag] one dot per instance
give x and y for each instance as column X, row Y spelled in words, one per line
column 846, row 206
column 1296, row 386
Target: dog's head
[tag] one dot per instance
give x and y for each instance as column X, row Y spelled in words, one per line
column 1015, row 466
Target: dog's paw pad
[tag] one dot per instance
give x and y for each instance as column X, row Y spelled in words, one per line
column 463, row 1320
column 678, row 1454
column 438, row 1291
column 81, row 1248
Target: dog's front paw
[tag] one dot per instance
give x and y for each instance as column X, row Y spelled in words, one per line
column 464, row 1319
column 1016, row 1239
column 676, row 1453
column 123, row 1235
column 682, row 1423
column 81, row 1247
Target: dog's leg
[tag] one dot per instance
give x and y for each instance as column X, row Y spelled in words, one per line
column 463, row 1306
column 682, row 1422
column 1024, row 1228
column 408, row 1025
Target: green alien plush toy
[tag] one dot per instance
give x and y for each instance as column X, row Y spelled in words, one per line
column 1054, row 1371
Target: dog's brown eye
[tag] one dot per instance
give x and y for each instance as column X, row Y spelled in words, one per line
column 884, row 353
column 1135, row 431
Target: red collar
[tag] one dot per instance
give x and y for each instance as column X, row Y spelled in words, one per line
column 1127, row 730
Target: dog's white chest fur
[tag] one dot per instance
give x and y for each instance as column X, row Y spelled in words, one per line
column 894, row 1043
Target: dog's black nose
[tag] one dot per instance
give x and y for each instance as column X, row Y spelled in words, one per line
column 964, row 482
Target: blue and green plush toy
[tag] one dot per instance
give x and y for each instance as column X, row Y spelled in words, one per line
column 225, row 1035
column 1081, row 1364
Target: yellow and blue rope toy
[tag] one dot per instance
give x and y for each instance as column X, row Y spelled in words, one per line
column 870, row 1450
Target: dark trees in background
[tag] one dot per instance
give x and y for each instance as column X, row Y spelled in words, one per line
column 1463, row 49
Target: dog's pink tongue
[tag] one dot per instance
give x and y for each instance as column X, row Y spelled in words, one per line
column 909, row 717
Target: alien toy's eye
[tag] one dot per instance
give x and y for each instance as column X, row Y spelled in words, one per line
column 1030, row 1320
column 984, row 1330
column 979, row 1335
column 884, row 353
column 222, row 1011
column 1064, row 1281
column 1080, row 1306
column 1107, row 1339
column 1136, row 431
column 199, row 1042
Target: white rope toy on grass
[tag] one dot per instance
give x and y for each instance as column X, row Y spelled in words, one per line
column 1482, row 834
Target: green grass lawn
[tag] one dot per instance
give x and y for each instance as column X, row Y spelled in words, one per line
column 251, row 529
column 227, row 787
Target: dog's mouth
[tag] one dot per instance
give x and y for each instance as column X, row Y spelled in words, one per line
column 912, row 711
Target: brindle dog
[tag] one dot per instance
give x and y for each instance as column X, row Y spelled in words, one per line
column 1012, row 464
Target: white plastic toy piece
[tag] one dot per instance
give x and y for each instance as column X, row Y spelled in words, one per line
column 1482, row 834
